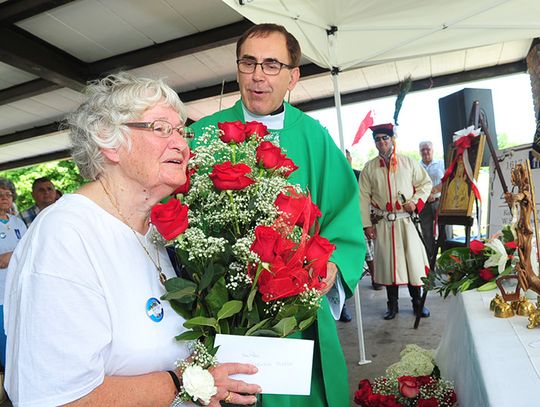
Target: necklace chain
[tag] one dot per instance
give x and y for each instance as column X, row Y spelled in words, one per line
column 162, row 276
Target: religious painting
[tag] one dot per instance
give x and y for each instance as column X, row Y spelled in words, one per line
column 457, row 197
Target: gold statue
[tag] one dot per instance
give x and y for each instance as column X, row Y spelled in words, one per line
column 521, row 178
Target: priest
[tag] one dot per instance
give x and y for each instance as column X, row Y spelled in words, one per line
column 268, row 58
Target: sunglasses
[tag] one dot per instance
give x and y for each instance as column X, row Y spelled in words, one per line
column 381, row 138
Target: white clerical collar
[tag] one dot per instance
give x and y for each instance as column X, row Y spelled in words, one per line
column 274, row 122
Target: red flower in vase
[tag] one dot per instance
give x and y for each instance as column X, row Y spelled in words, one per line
column 408, row 386
column 431, row 402
column 476, row 246
column 486, row 274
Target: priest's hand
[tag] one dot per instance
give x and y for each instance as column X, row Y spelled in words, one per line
column 331, row 273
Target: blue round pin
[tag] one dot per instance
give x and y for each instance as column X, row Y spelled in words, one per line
column 154, row 309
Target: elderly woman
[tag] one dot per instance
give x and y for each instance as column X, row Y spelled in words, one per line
column 85, row 322
column 12, row 229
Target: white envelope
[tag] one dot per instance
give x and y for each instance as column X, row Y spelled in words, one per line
column 284, row 364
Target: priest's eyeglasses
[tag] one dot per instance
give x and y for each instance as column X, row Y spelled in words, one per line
column 269, row 67
column 162, row 128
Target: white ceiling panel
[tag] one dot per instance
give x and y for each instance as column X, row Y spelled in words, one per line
column 381, row 75
column 40, row 145
column 11, row 76
column 447, row 63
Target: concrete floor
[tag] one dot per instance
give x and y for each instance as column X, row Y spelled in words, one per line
column 384, row 340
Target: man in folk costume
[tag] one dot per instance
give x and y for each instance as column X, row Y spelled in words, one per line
column 267, row 60
column 392, row 187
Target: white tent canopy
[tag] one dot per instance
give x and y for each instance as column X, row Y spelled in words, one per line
column 344, row 34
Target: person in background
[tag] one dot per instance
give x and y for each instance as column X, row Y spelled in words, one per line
column 268, row 57
column 12, row 229
column 44, row 194
column 84, row 319
column 370, row 245
column 428, row 216
column 394, row 186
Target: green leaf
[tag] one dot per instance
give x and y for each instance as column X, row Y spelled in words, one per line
column 288, row 310
column 217, row 296
column 180, row 289
column 181, row 309
column 229, row 309
column 189, row 336
column 201, row 321
column 306, row 323
column 285, row 326
column 490, row 285
column 257, row 326
column 207, row 277
column 266, row 332
column 250, row 299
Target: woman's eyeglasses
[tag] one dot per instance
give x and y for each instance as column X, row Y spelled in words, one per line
column 162, row 128
column 6, row 195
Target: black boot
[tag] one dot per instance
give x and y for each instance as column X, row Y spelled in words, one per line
column 417, row 301
column 392, row 310
column 392, row 295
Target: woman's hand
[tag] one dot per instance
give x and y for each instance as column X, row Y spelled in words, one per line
column 230, row 390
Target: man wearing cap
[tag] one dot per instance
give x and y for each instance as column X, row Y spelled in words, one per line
column 394, row 188
column 435, row 170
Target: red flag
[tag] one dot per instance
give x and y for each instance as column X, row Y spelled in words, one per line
column 364, row 125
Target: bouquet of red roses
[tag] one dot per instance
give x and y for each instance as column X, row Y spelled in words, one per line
column 252, row 259
column 414, row 381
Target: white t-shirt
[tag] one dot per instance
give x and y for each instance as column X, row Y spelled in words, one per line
column 10, row 235
column 76, row 309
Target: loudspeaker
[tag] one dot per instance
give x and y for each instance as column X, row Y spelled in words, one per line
column 454, row 111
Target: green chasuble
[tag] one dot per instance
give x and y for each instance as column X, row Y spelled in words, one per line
column 325, row 172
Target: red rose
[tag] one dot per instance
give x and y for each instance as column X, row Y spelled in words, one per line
column 364, row 390
column 297, row 208
column 318, row 252
column 184, row 188
column 476, row 246
column 256, row 128
column 510, row 245
column 269, row 155
column 408, row 386
column 283, row 282
column 487, row 274
column 379, row 400
column 431, row 402
column 170, row 219
column 265, row 243
column 233, row 132
column 230, row 176
column 450, row 398
column 290, row 165
column 423, row 380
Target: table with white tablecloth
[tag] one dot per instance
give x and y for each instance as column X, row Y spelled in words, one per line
column 494, row 362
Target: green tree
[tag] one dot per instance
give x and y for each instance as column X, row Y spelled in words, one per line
column 63, row 174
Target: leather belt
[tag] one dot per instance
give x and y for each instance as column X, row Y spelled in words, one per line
column 390, row 216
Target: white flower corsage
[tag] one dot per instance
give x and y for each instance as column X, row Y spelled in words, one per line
column 198, row 383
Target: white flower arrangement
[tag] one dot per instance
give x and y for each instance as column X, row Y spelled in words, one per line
column 197, row 383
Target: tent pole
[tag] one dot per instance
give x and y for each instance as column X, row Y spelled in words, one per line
column 337, row 100
column 360, row 327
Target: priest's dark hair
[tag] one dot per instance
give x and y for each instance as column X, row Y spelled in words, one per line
column 263, row 30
